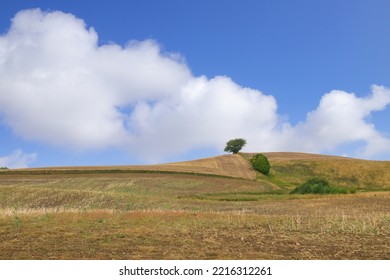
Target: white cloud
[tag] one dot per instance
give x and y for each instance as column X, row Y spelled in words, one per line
column 17, row 159
column 341, row 118
column 205, row 114
column 59, row 87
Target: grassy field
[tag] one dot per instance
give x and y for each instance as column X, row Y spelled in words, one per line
column 215, row 208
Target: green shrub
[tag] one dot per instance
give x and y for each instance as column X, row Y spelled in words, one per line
column 318, row 186
column 260, row 163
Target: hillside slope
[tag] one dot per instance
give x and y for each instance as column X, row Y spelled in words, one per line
column 293, row 168
column 224, row 165
column 166, row 212
column 288, row 169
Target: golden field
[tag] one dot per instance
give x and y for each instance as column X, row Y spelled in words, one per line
column 216, row 208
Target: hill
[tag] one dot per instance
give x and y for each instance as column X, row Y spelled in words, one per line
column 165, row 211
column 224, row 165
column 288, row 169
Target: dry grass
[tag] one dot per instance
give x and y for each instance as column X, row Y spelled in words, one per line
column 287, row 169
column 226, row 165
column 183, row 216
column 185, row 235
column 294, row 168
column 124, row 192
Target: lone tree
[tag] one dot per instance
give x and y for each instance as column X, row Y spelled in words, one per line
column 235, row 145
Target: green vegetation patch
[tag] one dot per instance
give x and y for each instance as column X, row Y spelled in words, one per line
column 260, row 163
column 235, row 145
column 319, row 186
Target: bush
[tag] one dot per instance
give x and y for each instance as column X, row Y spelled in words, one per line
column 260, row 163
column 317, row 186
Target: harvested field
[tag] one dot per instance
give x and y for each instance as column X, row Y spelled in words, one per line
column 184, row 211
column 161, row 234
column 226, row 165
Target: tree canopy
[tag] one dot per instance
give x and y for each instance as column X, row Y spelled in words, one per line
column 235, row 145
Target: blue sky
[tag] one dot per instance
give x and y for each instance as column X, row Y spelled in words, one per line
column 310, row 76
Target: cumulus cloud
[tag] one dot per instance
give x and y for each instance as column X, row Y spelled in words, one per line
column 206, row 113
column 58, row 86
column 17, row 159
column 341, row 118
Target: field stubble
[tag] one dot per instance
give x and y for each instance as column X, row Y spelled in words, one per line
column 184, row 216
column 100, row 234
